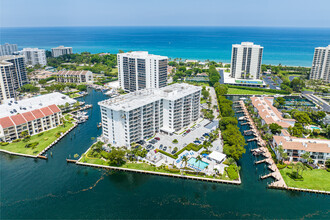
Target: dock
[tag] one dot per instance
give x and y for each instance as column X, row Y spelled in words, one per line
column 71, row 161
column 275, row 173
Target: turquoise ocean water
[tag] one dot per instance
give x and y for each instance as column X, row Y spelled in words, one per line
column 288, row 46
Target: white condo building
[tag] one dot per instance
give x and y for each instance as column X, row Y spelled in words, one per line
column 12, row 76
column 61, row 50
column 140, row 70
column 8, row 49
column 246, row 61
column 139, row 115
column 321, row 64
column 34, row 56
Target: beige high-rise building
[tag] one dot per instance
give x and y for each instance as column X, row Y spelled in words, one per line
column 321, row 64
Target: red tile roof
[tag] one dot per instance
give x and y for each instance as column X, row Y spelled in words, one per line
column 46, row 111
column 54, row 108
column 28, row 116
column 6, row 122
column 18, row 119
column 37, row 113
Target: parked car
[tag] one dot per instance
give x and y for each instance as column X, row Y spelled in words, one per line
column 193, row 128
column 173, row 152
column 206, row 134
column 197, row 142
column 153, row 141
column 161, row 147
column 165, row 148
column 142, row 142
column 187, row 131
column 157, row 138
column 184, row 134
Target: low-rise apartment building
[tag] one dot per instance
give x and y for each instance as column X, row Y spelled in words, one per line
column 141, row 114
column 33, row 115
column 33, row 122
column 269, row 114
column 319, row 149
column 67, row 76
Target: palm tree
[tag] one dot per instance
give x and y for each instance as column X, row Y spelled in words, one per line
column 231, row 161
column 306, row 155
column 184, row 161
column 198, row 160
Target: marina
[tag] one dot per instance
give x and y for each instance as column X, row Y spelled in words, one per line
column 84, row 186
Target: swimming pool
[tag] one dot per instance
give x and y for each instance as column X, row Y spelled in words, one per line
column 316, row 128
column 200, row 164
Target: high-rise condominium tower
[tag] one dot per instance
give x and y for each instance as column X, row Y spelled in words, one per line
column 12, row 75
column 8, row 49
column 246, row 61
column 34, row 56
column 61, row 50
column 321, row 64
column 140, row 70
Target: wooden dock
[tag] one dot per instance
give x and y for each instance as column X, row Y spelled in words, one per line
column 71, row 161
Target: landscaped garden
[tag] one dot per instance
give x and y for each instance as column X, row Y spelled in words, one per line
column 132, row 159
column 236, row 91
column 33, row 145
column 317, row 179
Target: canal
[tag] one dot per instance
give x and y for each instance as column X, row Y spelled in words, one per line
column 54, row 189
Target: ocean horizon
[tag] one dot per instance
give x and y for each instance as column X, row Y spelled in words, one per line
column 282, row 45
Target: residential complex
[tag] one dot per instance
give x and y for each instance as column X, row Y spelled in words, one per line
column 321, row 64
column 140, row 70
column 319, row 149
column 269, row 114
column 61, row 50
column 33, row 115
column 141, row 114
column 74, row 76
column 12, row 76
column 34, row 56
column 246, row 61
column 8, row 49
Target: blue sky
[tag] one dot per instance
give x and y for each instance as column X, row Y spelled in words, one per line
column 288, row 13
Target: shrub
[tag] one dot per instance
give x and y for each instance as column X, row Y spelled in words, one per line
column 40, row 134
column 328, row 169
column 167, row 154
column 289, row 167
column 232, row 172
column 31, row 145
column 4, row 143
column 17, row 140
column 27, row 138
column 175, row 141
column 281, row 166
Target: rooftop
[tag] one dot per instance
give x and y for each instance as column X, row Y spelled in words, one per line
column 247, row 44
column 305, row 144
column 142, row 97
column 269, row 113
column 67, row 72
column 12, row 107
column 3, row 59
column 142, row 54
column 25, row 117
column 61, row 47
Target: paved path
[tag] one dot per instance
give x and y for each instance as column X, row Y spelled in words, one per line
column 214, row 101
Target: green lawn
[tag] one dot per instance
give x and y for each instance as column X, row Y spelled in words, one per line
column 235, row 91
column 74, row 95
column 44, row 141
column 313, row 179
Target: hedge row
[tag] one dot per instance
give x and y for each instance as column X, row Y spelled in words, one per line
column 167, row 154
column 260, row 89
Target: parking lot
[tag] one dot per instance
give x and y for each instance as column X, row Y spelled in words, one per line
column 202, row 126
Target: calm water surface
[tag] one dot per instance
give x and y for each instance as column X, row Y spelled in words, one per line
column 54, row 189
